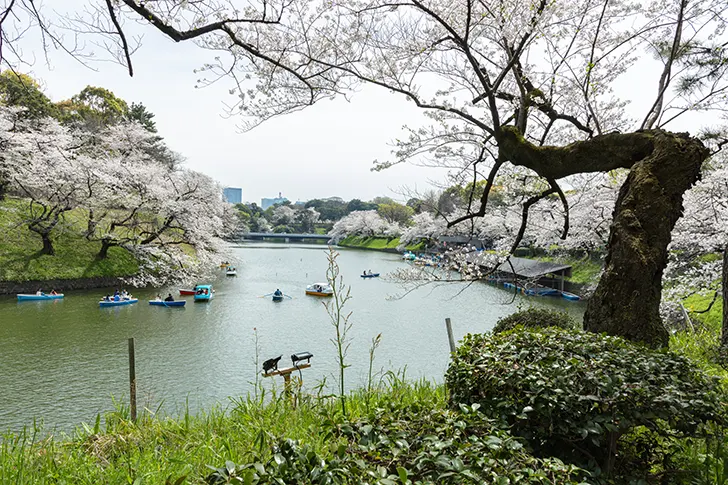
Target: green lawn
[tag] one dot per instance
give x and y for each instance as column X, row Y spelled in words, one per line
column 583, row 270
column 377, row 243
column 75, row 256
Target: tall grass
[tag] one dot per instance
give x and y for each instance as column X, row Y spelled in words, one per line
column 157, row 449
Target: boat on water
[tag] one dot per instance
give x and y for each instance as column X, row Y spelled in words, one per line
column 542, row 292
column 186, row 292
column 230, row 271
column 369, row 275
column 177, row 303
column 570, row 296
column 42, row 296
column 319, row 289
column 409, row 256
column 204, row 293
column 277, row 297
column 120, row 302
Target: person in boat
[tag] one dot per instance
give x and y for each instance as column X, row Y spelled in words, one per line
column 169, row 297
column 39, row 292
column 116, row 293
column 116, row 297
column 277, row 292
column 54, row 292
column 158, row 297
column 107, row 298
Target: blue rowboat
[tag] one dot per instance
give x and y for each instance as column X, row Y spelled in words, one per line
column 104, row 304
column 570, row 296
column 24, row 297
column 167, row 303
column 373, row 275
column 277, row 297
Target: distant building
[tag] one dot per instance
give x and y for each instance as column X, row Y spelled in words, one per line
column 265, row 203
column 232, row 195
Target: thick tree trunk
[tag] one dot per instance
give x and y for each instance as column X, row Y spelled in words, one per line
column 47, row 245
column 627, row 300
column 104, row 252
column 724, row 286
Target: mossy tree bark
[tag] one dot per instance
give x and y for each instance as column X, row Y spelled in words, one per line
column 662, row 167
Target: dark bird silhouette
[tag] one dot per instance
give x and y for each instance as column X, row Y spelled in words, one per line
column 271, row 364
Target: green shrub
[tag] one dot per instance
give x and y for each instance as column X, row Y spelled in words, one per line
column 407, row 445
column 535, row 318
column 573, row 394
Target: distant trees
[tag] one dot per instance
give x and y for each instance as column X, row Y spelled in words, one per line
column 395, row 213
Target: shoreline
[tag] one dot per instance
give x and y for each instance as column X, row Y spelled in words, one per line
column 60, row 285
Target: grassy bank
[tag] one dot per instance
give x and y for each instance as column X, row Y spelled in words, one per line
column 156, row 449
column 75, row 256
column 378, row 243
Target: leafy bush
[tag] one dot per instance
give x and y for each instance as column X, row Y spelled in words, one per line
column 411, row 445
column 535, row 318
column 573, row 394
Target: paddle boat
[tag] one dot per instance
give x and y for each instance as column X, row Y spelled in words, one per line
column 409, row 256
column 177, row 303
column 119, row 302
column 369, row 275
column 42, row 296
column 204, row 293
column 319, row 289
column 230, row 271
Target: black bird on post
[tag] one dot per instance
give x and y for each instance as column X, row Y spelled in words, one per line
column 271, row 364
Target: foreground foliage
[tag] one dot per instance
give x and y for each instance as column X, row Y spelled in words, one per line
column 399, row 433
column 585, row 398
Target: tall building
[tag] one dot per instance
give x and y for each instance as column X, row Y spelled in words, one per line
column 265, row 203
column 232, row 195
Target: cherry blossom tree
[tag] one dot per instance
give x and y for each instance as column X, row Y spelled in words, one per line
column 364, row 223
column 699, row 239
column 38, row 160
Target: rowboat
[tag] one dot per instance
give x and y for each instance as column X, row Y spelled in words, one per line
column 104, row 304
column 187, row 292
column 370, row 275
column 542, row 292
column 177, row 303
column 570, row 296
column 231, row 272
column 277, row 297
column 204, row 293
column 28, row 297
column 319, row 289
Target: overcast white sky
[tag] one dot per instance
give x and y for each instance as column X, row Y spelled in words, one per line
column 326, row 150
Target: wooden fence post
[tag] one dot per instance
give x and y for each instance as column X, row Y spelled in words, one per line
column 132, row 381
column 449, row 335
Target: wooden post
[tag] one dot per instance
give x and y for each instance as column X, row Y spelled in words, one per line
column 132, row 381
column 449, row 335
column 287, row 383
